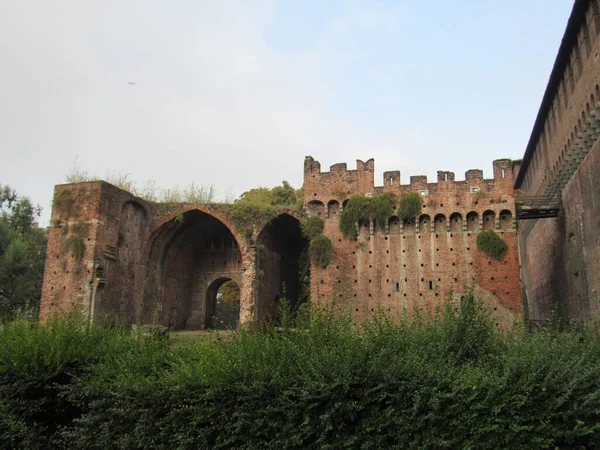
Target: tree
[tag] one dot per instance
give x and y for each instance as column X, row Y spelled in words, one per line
column 22, row 254
column 283, row 196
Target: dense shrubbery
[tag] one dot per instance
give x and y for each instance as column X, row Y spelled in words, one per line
column 447, row 379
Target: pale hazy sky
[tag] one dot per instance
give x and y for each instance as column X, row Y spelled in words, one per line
column 236, row 93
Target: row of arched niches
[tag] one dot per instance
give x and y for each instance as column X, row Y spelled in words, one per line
column 455, row 223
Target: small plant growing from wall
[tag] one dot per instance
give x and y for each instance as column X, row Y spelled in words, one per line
column 74, row 245
column 312, row 227
column 410, row 206
column 491, row 244
column 340, row 195
column 320, row 250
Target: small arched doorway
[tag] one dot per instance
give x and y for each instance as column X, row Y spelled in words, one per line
column 222, row 305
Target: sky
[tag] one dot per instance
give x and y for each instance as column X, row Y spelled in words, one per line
column 236, row 93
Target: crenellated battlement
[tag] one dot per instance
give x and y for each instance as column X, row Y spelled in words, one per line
column 341, row 182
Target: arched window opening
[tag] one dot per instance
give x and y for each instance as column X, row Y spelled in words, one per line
column 364, row 228
column 456, row 223
column 409, row 227
column 333, row 208
column 315, row 208
column 394, row 225
column 506, row 220
column 425, row 224
column 440, row 223
column 472, row 221
column 489, row 220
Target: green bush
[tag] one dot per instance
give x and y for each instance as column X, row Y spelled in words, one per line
column 446, row 378
column 319, row 251
column 377, row 207
column 382, row 207
column 312, row 226
column 410, row 206
column 491, row 244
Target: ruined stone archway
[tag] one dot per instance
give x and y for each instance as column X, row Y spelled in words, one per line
column 282, row 266
column 187, row 254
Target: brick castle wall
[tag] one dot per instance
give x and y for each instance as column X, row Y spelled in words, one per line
column 420, row 263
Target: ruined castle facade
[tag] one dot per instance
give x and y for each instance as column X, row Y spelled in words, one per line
column 124, row 259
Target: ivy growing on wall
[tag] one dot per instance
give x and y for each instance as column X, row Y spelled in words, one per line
column 491, row 244
column 320, row 250
column 312, row 227
column 320, row 246
column 359, row 207
column 74, row 245
column 410, row 206
column 72, row 239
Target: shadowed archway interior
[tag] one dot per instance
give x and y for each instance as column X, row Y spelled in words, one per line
column 283, row 266
column 187, row 258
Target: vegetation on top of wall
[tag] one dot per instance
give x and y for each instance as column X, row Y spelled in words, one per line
column 319, row 251
column 247, row 217
column 192, row 193
column 312, row 226
column 284, row 196
column 258, row 206
column 410, row 206
column 359, row 207
column 491, row 244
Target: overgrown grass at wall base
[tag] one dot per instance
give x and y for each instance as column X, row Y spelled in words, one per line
column 491, row 244
column 444, row 379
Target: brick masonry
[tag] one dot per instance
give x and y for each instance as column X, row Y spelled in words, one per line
column 121, row 258
column 561, row 256
column 420, row 263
